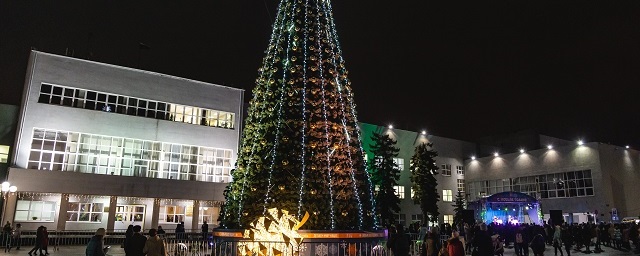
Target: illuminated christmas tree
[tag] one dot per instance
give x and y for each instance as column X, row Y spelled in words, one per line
column 301, row 149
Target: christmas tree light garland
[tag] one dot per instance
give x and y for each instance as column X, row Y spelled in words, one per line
column 349, row 99
column 323, row 116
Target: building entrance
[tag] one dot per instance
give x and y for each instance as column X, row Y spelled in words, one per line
column 129, row 215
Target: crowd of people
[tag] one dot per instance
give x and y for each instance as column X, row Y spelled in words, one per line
column 481, row 239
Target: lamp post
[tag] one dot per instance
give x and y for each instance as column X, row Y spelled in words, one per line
column 6, row 189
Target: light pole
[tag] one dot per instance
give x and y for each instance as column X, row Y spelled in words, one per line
column 6, row 189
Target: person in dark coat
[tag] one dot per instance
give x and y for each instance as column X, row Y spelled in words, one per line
column 567, row 238
column 205, row 230
column 482, row 242
column 45, row 241
column 38, row 244
column 127, row 238
column 136, row 245
column 401, row 243
column 96, row 244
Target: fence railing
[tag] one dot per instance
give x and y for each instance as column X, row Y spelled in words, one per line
column 193, row 244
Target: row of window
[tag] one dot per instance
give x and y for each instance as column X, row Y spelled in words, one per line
column 555, row 185
column 44, row 211
column 445, row 169
column 108, row 102
column 89, row 153
column 447, row 194
column 402, row 219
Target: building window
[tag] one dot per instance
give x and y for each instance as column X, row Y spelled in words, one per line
column 553, row 185
column 399, row 191
column 445, row 169
column 130, row 213
column 461, row 185
column 448, row 218
column 206, row 214
column 89, row 212
column 447, row 195
column 460, row 169
column 401, row 219
column 40, row 211
column 417, row 218
column 89, row 153
column 399, row 163
column 4, row 154
column 172, row 213
column 107, row 102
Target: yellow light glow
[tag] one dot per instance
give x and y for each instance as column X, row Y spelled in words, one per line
column 275, row 234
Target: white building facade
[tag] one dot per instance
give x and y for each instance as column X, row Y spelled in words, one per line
column 99, row 145
column 588, row 182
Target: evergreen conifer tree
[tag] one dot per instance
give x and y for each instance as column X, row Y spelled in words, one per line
column 301, row 148
column 384, row 176
column 424, row 184
column 459, row 205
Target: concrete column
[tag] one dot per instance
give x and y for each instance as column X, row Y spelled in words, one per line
column 111, row 221
column 155, row 214
column 196, row 216
column 62, row 212
column 9, row 208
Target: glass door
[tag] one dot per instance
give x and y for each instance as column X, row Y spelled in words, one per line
column 129, row 215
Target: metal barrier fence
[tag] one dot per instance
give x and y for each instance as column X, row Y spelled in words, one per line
column 193, row 244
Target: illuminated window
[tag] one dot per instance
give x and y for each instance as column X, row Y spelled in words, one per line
column 445, row 169
column 448, row 218
column 4, row 154
column 399, row 163
column 89, row 212
column 447, row 195
column 172, row 213
column 460, row 169
column 461, row 185
column 206, row 214
column 399, row 191
column 107, row 102
column 90, row 153
column 38, row 211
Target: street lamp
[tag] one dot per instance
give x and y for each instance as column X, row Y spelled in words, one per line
column 6, row 189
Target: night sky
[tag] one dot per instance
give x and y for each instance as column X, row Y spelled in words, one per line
column 569, row 69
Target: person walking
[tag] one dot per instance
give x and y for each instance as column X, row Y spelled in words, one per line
column 482, row 243
column 127, row 239
column 16, row 237
column 7, row 230
column 95, row 247
column 519, row 242
column 154, row 246
column 45, row 241
column 567, row 239
column 557, row 240
column 137, row 242
column 38, row 244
